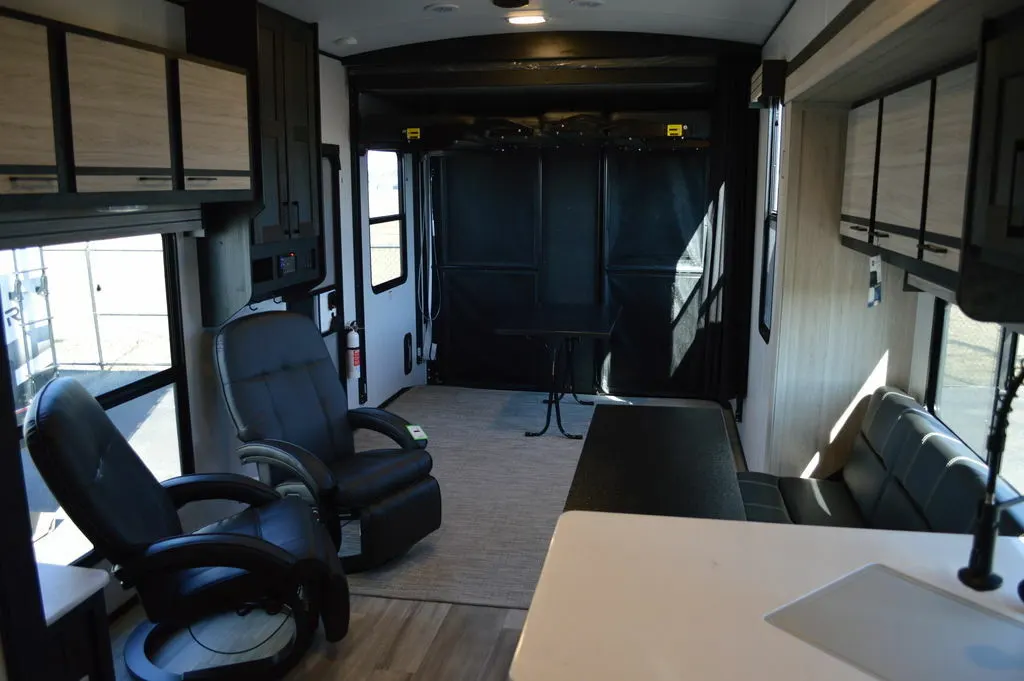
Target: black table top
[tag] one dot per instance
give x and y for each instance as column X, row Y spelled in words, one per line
column 672, row 461
column 595, row 321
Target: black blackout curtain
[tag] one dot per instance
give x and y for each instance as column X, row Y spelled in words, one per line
column 630, row 229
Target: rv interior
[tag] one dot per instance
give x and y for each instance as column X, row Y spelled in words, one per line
column 511, row 339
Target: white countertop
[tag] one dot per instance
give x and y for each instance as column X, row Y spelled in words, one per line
column 64, row 588
column 657, row 598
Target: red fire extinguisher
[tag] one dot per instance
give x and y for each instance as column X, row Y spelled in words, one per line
column 355, row 360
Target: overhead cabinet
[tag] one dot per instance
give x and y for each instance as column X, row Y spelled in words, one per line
column 214, row 127
column 905, row 184
column 902, row 156
column 120, row 118
column 859, row 178
column 950, row 165
column 28, row 159
column 90, row 120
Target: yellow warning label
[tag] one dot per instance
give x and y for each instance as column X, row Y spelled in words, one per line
column 675, row 129
column 412, row 133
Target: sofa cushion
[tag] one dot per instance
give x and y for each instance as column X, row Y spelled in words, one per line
column 920, row 473
column 864, row 475
column 896, row 508
column 953, row 506
column 892, row 405
column 762, row 500
column 820, row 502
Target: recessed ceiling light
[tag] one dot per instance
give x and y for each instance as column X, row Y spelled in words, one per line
column 587, row 4
column 526, row 19
column 441, row 7
column 346, row 40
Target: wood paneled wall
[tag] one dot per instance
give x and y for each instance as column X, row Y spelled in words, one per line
column 830, row 343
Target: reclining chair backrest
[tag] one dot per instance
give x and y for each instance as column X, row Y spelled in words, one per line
column 95, row 474
column 280, row 384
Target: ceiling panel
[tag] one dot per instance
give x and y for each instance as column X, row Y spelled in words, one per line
column 353, row 26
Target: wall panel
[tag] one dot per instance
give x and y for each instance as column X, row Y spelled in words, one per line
column 832, row 348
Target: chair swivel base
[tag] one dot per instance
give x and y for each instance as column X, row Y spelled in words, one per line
column 147, row 638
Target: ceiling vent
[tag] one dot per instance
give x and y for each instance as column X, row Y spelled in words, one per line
column 442, row 8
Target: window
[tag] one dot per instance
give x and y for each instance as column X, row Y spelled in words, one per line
column 771, row 221
column 387, row 222
column 96, row 312
column 975, row 360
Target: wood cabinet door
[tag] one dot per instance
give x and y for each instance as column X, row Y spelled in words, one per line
column 214, row 126
column 901, row 163
column 303, row 143
column 28, row 162
column 950, row 164
column 272, row 223
column 119, row 115
column 859, row 174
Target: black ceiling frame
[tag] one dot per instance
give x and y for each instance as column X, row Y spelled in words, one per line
column 698, row 78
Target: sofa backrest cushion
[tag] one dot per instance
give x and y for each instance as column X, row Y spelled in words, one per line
column 872, row 457
column 896, row 508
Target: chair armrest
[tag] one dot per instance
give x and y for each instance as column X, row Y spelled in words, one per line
column 385, row 423
column 230, row 486
column 301, row 463
column 208, row 550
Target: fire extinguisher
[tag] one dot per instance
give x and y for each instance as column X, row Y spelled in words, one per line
column 355, row 360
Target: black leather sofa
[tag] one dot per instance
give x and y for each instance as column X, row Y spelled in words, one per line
column 906, row 471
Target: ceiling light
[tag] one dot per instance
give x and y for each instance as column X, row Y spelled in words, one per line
column 526, row 19
column 587, row 4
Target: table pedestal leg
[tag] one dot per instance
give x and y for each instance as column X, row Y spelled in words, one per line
column 571, row 358
column 553, row 397
column 556, row 389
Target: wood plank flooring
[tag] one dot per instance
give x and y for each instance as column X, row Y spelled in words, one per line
column 389, row 640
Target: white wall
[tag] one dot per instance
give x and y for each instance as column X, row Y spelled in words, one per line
column 334, row 124
column 761, row 373
column 804, row 22
column 156, row 22
column 922, row 346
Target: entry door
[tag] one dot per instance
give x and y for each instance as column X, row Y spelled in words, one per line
column 388, row 285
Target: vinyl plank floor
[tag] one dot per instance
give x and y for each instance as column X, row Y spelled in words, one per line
column 389, row 640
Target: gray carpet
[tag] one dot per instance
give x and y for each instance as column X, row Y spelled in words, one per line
column 502, row 495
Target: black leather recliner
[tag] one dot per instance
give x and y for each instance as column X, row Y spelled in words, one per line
column 291, row 411
column 272, row 555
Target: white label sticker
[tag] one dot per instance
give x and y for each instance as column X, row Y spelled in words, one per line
column 874, row 280
column 417, row 432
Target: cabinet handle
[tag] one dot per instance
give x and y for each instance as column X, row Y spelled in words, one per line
column 146, row 180
column 858, row 228
column 201, row 179
column 295, row 205
column 29, row 179
column 284, row 217
column 932, row 248
column 882, row 235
